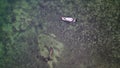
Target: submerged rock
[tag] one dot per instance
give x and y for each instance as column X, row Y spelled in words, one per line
column 45, row 44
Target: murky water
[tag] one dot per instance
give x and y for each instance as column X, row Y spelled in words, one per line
column 85, row 43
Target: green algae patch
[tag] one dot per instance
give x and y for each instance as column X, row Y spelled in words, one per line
column 45, row 42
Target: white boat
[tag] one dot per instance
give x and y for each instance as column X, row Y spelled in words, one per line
column 68, row 19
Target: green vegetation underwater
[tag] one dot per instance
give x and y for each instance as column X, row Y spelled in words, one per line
column 32, row 34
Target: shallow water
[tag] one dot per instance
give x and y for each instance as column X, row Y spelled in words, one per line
column 91, row 42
